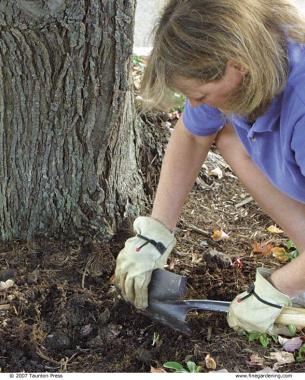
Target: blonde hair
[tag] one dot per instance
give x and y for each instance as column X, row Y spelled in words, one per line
column 196, row 38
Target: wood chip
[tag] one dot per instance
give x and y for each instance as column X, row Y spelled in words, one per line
column 5, row 307
column 244, row 202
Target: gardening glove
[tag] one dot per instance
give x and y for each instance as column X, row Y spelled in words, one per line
column 258, row 308
column 142, row 254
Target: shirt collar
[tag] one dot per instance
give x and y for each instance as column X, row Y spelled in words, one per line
column 264, row 123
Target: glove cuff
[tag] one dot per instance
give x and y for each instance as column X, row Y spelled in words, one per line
column 265, row 290
column 153, row 229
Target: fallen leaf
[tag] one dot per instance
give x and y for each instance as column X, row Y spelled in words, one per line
column 210, row 362
column 238, row 263
column 196, row 258
column 157, row 370
column 282, row 357
column 217, row 172
column 219, row 235
column 172, row 264
column 278, row 251
column 274, row 230
column 112, row 279
column 293, row 344
column 266, row 370
column 6, row 284
column 261, row 248
column 256, row 360
column 280, row 254
column 282, row 340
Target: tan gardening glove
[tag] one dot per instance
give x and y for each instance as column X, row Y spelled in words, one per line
column 147, row 251
column 247, row 312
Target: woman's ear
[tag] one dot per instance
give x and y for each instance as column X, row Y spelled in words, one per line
column 232, row 64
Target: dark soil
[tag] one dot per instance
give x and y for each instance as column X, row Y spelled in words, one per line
column 64, row 314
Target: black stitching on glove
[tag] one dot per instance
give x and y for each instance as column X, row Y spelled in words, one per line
column 160, row 246
column 251, row 291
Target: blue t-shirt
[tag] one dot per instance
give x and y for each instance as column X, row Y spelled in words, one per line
column 276, row 141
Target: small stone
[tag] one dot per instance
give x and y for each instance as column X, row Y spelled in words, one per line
column 57, row 341
column 32, row 278
column 86, row 330
column 215, row 259
column 110, row 332
column 7, row 274
column 104, row 316
column 143, row 355
column 189, row 358
column 96, row 342
column 203, row 243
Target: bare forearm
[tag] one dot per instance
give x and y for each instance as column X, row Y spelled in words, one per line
column 181, row 164
column 290, row 279
column 286, row 212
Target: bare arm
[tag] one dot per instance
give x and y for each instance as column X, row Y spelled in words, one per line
column 183, row 159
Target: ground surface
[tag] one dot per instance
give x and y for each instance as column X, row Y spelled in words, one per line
column 64, row 314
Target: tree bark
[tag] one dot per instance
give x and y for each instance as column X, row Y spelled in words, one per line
column 69, row 137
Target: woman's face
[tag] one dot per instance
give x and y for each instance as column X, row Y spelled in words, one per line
column 215, row 93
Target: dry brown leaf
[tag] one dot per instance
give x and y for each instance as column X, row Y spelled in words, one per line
column 256, row 360
column 278, row 251
column 280, row 254
column 172, row 264
column 274, row 230
column 217, row 172
column 112, row 279
column 266, row 370
column 210, row 362
column 6, row 284
column 196, row 258
column 261, row 248
column 157, row 370
column 219, row 235
column 282, row 357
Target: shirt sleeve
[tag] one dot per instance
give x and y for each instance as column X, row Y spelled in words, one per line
column 298, row 144
column 202, row 120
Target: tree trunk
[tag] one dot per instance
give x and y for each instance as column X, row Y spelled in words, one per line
column 69, row 138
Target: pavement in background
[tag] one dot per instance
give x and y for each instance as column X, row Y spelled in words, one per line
column 146, row 15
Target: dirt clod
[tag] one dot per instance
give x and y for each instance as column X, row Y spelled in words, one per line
column 57, row 341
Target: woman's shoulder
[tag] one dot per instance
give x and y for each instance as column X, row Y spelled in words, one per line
column 295, row 87
column 296, row 56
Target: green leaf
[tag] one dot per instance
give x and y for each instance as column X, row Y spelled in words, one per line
column 264, row 340
column 191, row 366
column 275, row 338
column 175, row 366
column 253, row 336
column 292, row 329
column 293, row 254
column 290, row 244
column 301, row 354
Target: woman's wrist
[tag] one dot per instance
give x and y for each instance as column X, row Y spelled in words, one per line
column 167, row 224
column 289, row 279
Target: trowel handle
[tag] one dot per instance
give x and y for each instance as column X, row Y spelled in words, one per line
column 292, row 316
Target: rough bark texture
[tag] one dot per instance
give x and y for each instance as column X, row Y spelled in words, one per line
column 69, row 139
